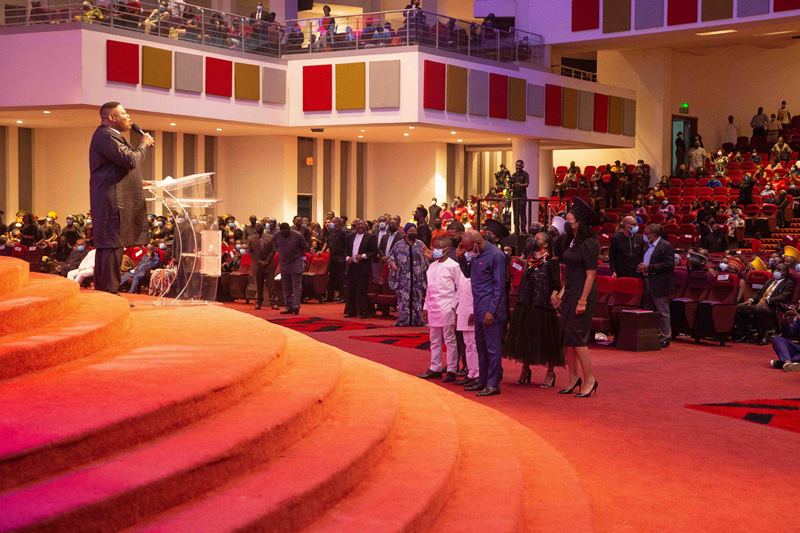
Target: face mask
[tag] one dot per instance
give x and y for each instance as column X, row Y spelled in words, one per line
column 81, row 248
column 69, row 222
column 773, row 263
column 797, row 267
column 469, row 256
column 634, row 230
column 665, row 203
column 646, row 239
column 238, row 246
column 163, row 246
column 723, row 267
column 438, row 253
column 49, row 219
column 180, row 220
column 777, row 274
column 304, row 226
column 331, row 226
column 160, row 223
column 412, row 236
column 231, row 225
column 382, row 226
column 88, row 220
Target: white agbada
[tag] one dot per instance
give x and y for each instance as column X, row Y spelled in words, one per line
column 441, row 297
column 464, row 310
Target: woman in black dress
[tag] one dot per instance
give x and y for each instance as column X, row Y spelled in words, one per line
column 580, row 295
column 530, row 338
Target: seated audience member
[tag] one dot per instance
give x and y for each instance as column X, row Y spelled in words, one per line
column 666, row 209
column 72, row 232
column 29, row 232
column 89, row 13
column 780, row 153
column 149, row 261
column 717, row 240
column 73, row 261
column 159, row 14
column 759, row 311
column 787, row 344
column 714, row 182
column 767, row 192
column 85, row 269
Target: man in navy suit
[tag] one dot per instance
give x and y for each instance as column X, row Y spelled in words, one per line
column 657, row 268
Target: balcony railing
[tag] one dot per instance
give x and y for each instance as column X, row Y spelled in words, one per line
column 570, row 72
column 187, row 22
column 412, row 27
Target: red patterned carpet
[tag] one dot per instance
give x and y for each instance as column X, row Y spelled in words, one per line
column 646, row 460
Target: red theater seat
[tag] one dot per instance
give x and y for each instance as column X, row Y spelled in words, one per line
column 683, row 309
column 715, row 314
column 315, row 280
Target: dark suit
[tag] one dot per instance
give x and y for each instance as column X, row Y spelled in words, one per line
column 761, row 313
column 358, row 274
column 625, row 254
column 433, row 212
column 659, row 284
column 119, row 212
column 262, row 250
column 337, row 247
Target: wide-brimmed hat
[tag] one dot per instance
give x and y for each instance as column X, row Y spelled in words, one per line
column 500, row 231
column 584, row 212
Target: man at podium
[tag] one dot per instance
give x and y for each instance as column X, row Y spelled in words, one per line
column 115, row 188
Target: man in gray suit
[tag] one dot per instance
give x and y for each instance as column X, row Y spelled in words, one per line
column 292, row 247
column 115, row 189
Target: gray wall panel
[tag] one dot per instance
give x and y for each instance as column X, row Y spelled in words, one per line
column 478, row 103
column 535, row 100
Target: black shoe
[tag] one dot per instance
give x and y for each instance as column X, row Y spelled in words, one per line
column 258, row 306
column 665, row 343
column 489, row 391
column 462, row 372
column 763, row 341
column 450, row 377
column 587, row 394
column 469, row 381
column 296, row 311
column 548, row 382
column 777, row 364
column 743, row 338
column 572, row 388
column 525, row 376
column 430, row 374
column 275, row 307
column 287, row 312
column 475, row 385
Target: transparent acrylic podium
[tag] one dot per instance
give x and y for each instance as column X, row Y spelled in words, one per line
column 197, row 240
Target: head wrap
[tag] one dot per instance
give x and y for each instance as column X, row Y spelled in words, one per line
column 409, row 225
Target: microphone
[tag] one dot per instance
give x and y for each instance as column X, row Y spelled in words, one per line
column 135, row 127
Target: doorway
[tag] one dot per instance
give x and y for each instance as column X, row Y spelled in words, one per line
column 688, row 127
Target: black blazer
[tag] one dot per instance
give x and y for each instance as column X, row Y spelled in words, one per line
column 660, row 271
column 382, row 251
column 368, row 247
column 119, row 213
column 782, row 293
column 262, row 250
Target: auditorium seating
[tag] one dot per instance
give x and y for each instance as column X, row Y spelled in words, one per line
column 715, row 314
column 622, row 293
column 683, row 308
column 315, row 279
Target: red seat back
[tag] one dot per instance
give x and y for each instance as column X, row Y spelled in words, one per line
column 626, row 291
column 698, row 285
column 757, row 279
column 724, row 288
column 679, row 276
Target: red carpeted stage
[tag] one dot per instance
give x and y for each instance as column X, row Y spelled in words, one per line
column 209, row 419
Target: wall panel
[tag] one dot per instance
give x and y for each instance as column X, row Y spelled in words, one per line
column 615, row 109
column 351, row 92
column 648, row 14
column 569, row 108
column 384, row 84
column 716, row 10
column 219, row 73
column 498, row 96
column 585, row 110
column 273, row 85
column 122, row 62
column 247, row 82
column 188, row 72
column 600, row 113
column 517, row 99
column 750, row 8
column 457, row 89
column 616, row 16
column 585, row 15
column 681, row 12
column 478, row 93
column 435, row 76
column 317, row 88
column 552, row 105
column 156, row 67
column 535, row 100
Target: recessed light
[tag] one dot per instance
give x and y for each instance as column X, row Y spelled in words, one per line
column 19, row 122
column 508, row 138
column 172, row 124
column 411, row 127
column 219, row 129
column 782, row 32
column 460, row 140
column 46, row 112
column 718, row 32
column 360, row 136
column 452, row 133
column 362, row 131
column 406, row 134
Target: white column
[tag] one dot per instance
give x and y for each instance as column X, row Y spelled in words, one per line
column 528, row 151
column 318, row 180
column 546, row 180
column 12, row 174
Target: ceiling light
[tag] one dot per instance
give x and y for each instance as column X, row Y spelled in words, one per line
column 460, row 140
column 360, row 136
column 452, row 133
column 508, row 138
column 219, row 129
column 718, row 32
column 19, row 122
column 172, row 124
column 362, row 131
column 782, row 32
column 46, row 112
column 411, row 127
column 406, row 134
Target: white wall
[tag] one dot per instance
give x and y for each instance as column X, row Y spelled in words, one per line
column 258, row 175
column 402, row 175
column 61, row 171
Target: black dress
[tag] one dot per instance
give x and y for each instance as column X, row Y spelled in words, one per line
column 578, row 258
column 532, row 336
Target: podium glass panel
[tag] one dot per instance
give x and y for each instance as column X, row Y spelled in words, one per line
column 195, row 261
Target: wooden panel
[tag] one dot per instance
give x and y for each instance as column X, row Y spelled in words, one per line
column 351, row 91
column 552, row 105
column 156, row 67
column 616, row 16
column 569, row 108
column 456, row 89
column 246, row 82
column 585, row 15
column 517, row 100
column 585, row 110
column 716, row 10
column 615, row 108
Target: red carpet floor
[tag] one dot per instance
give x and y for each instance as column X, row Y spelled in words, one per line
column 646, row 459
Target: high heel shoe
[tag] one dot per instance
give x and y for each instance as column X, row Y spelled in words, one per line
column 525, row 376
column 592, row 390
column 572, row 388
column 549, row 383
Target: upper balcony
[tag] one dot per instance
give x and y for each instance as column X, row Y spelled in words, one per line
column 263, row 36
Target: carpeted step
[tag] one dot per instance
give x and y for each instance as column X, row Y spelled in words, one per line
column 45, row 298
column 98, row 321
column 120, row 490
column 310, row 476
column 175, row 366
column 14, row 274
column 409, row 487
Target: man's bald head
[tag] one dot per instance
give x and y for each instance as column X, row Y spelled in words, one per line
column 629, row 220
column 470, row 239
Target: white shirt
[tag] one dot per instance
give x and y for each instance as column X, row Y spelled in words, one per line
column 731, row 133
column 357, row 244
column 441, row 298
column 465, row 309
column 390, row 241
column 88, row 261
column 649, row 253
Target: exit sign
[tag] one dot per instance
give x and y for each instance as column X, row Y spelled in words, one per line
column 683, row 108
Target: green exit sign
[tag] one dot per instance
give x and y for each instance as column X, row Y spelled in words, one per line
column 684, row 108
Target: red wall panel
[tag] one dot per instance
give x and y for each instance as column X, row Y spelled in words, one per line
column 122, row 62
column 681, row 12
column 786, row 5
column 219, row 77
column 318, row 88
column 585, row 15
column 433, row 96
column 552, row 105
column 498, row 96
column 600, row 113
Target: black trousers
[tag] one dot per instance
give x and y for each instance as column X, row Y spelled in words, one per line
column 760, row 316
column 357, row 286
column 261, row 279
column 519, row 205
column 107, row 262
column 336, row 272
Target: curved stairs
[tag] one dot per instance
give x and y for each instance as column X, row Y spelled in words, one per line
column 205, row 419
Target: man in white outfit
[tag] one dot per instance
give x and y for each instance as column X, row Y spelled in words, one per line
column 439, row 310
column 465, row 325
column 84, row 270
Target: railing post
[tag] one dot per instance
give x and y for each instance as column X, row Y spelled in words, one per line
column 241, row 29
column 202, row 26
column 358, row 30
column 437, row 32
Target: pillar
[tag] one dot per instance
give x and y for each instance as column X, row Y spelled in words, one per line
column 12, row 173
column 528, row 151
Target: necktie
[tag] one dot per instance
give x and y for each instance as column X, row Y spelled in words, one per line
column 764, row 299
